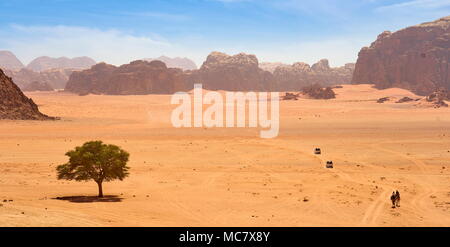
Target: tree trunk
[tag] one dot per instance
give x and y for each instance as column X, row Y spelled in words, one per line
column 100, row 189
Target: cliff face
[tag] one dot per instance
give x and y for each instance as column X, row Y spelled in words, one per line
column 299, row 75
column 415, row 58
column 138, row 77
column 46, row 63
column 233, row 73
column 14, row 104
column 9, row 61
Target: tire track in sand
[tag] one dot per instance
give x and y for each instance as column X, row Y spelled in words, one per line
column 419, row 201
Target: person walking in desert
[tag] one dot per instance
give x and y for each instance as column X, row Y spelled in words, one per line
column 397, row 198
column 393, row 199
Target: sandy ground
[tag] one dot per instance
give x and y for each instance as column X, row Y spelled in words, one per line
column 231, row 177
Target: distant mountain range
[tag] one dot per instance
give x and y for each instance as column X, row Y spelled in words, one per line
column 45, row 63
column 46, row 70
column 240, row 72
column 10, row 62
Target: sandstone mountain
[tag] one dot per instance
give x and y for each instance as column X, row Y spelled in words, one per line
column 220, row 71
column 299, row 75
column 415, row 58
column 233, row 73
column 45, row 63
column 9, row 61
column 177, row 62
column 138, row 77
column 14, row 104
column 37, row 86
column 55, row 78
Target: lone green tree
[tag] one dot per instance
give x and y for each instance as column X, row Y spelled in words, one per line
column 97, row 161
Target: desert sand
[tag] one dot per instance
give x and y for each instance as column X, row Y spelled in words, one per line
column 231, row 177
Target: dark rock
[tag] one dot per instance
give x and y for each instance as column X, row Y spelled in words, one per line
column 382, row 100
column 14, row 104
column 404, row 99
column 317, row 92
column 290, row 96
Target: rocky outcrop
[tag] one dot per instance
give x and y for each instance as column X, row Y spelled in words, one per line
column 55, row 78
column 177, row 62
column 14, row 104
column 299, row 75
column 37, row 86
column 45, row 63
column 9, row 61
column 290, row 96
column 415, row 58
column 438, row 98
column 138, row 77
column 232, row 73
column 315, row 91
column 404, row 100
column 383, row 99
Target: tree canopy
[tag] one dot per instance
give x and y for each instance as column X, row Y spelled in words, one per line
column 97, row 161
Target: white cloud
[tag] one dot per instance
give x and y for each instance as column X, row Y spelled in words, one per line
column 159, row 15
column 112, row 46
column 419, row 4
column 118, row 47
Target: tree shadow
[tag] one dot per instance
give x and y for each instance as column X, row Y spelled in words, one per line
column 89, row 199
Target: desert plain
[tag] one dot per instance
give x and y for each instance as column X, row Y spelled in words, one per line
column 230, row 176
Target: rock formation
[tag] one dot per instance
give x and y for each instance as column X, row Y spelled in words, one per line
column 299, row 75
column 9, row 61
column 315, row 91
column 45, row 63
column 138, row 77
column 415, row 58
column 383, row 99
column 438, row 98
column 37, row 86
column 233, row 73
column 220, row 71
column 290, row 96
column 14, row 104
column 177, row 62
column 404, row 99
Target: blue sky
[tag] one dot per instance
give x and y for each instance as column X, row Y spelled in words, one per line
column 287, row 31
